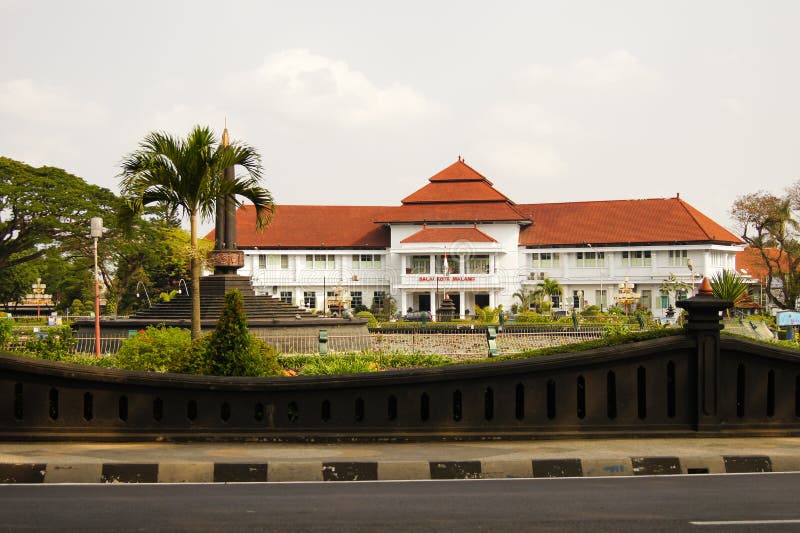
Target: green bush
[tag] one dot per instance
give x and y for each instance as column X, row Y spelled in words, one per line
column 530, row 317
column 371, row 321
column 6, row 333
column 53, row 343
column 359, row 362
column 157, row 349
column 591, row 310
column 231, row 350
column 337, row 364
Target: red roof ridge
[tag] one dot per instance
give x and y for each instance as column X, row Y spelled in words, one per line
column 693, row 212
column 445, row 173
column 434, row 234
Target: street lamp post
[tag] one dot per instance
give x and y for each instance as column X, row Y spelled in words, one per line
column 149, row 303
column 96, row 233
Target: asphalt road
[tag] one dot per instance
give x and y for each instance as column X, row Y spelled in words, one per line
column 757, row 502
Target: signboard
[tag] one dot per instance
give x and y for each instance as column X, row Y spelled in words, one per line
column 446, row 278
column 788, row 318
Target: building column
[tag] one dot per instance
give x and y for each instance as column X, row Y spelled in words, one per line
column 462, row 304
column 432, row 265
column 491, row 299
column 433, row 304
column 403, row 302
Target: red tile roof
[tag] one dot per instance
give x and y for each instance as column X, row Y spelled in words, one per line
column 459, row 171
column 448, row 235
column 462, row 195
column 455, row 191
column 458, row 183
column 750, row 262
column 452, row 212
column 313, row 226
column 664, row 220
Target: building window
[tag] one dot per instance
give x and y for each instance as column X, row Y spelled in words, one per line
column 678, row 257
column 273, row 262
column 680, row 295
column 287, row 297
column 637, row 258
column 646, row 299
column 363, row 261
column 310, row 300
column 420, row 264
column 320, row 262
column 379, row 299
column 356, row 300
column 591, row 259
column 477, row 264
column 601, row 298
column 453, row 264
column 545, row 260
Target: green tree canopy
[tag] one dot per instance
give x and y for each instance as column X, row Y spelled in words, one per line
column 769, row 224
column 45, row 207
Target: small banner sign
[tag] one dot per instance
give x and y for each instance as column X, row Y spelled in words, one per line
column 788, row 318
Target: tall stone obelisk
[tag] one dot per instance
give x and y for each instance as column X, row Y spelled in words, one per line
column 226, row 257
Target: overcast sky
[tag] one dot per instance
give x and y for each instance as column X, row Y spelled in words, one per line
column 360, row 102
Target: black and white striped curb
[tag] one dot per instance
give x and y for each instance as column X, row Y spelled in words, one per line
column 386, row 470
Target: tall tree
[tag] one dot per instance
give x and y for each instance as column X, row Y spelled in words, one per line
column 769, row 224
column 185, row 175
column 45, row 207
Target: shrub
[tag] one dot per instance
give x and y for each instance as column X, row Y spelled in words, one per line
column 52, row 343
column 337, row 364
column 231, row 350
column 591, row 310
column 371, row 321
column 529, row 317
column 6, row 333
column 156, row 350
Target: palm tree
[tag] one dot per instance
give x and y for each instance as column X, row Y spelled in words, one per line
column 550, row 287
column 527, row 297
column 186, row 175
column 728, row 285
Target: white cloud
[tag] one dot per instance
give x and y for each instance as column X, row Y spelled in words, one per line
column 307, row 86
column 33, row 101
column 613, row 69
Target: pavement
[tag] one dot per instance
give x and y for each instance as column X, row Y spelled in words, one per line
column 71, row 462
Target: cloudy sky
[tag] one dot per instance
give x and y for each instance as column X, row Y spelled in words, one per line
column 360, row 102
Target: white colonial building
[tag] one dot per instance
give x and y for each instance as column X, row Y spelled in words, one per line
column 458, row 236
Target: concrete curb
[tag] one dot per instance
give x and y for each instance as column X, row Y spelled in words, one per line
column 285, row 471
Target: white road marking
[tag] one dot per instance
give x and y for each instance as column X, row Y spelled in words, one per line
column 745, row 522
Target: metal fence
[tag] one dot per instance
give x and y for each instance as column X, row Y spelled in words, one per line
column 462, row 345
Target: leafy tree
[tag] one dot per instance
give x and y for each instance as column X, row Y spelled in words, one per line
column 730, row 286
column 186, row 175
column 769, row 224
column 45, row 207
column 15, row 282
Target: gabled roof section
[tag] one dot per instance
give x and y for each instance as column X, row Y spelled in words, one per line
column 435, row 235
column 459, row 171
column 662, row 220
column 457, row 183
column 456, row 194
column 313, row 226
